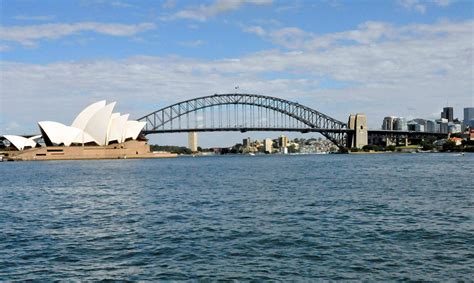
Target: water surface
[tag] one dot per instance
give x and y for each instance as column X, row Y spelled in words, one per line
column 333, row 217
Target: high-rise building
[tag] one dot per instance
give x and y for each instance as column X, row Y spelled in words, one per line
column 430, row 126
column 388, row 123
column 468, row 116
column 193, row 141
column 415, row 126
column 283, row 141
column 443, row 125
column 422, row 122
column 400, row 124
column 246, row 142
column 268, row 145
column 448, row 113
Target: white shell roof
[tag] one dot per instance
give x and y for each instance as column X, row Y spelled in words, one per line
column 61, row 134
column 54, row 131
column 20, row 142
column 83, row 118
column 117, row 128
column 96, row 123
column 133, row 129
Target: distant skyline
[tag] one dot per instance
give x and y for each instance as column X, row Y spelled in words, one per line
column 406, row 58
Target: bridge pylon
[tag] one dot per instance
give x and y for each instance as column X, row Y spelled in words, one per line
column 193, row 141
column 358, row 138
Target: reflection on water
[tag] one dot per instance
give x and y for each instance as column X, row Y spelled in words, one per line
column 334, row 217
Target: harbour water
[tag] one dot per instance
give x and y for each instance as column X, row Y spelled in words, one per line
column 332, row 217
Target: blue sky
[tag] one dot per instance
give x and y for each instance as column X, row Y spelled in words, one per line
column 403, row 57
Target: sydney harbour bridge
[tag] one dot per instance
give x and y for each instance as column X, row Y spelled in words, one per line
column 252, row 112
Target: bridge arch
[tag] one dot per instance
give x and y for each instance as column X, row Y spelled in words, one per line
column 305, row 119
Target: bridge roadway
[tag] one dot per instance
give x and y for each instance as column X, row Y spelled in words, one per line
column 245, row 129
column 411, row 134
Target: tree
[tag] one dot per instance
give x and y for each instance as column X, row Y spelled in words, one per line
column 369, row 147
column 344, row 150
column 456, row 135
column 391, row 147
column 449, row 145
column 292, row 149
column 171, row 148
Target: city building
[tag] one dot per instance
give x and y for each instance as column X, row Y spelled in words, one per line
column 388, row 123
column 414, row 126
column 422, row 122
column 246, row 142
column 468, row 116
column 283, row 141
column 443, row 125
column 431, row 127
column 448, row 113
column 400, row 124
column 392, row 123
column 268, row 145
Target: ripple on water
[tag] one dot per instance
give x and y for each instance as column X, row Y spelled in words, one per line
column 299, row 218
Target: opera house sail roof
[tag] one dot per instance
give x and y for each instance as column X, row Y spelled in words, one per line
column 97, row 124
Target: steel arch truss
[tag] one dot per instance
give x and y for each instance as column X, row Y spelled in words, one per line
column 243, row 112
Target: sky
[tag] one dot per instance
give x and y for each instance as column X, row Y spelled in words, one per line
column 407, row 58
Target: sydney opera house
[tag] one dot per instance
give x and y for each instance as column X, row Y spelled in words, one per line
column 96, row 133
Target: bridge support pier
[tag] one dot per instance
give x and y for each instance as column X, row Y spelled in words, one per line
column 193, row 141
column 359, row 137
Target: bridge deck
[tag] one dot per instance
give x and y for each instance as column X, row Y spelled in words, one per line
column 247, row 129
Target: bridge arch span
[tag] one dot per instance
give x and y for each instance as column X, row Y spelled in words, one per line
column 248, row 107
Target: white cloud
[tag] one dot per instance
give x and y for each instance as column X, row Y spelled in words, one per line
column 204, row 12
column 4, row 48
column 385, row 71
column 421, row 6
column 169, row 4
column 368, row 33
column 193, row 43
column 443, row 3
column 414, row 5
column 33, row 18
column 29, row 35
column 110, row 3
column 289, row 7
column 121, row 4
column 258, row 30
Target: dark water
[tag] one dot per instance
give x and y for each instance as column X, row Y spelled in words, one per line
column 336, row 217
